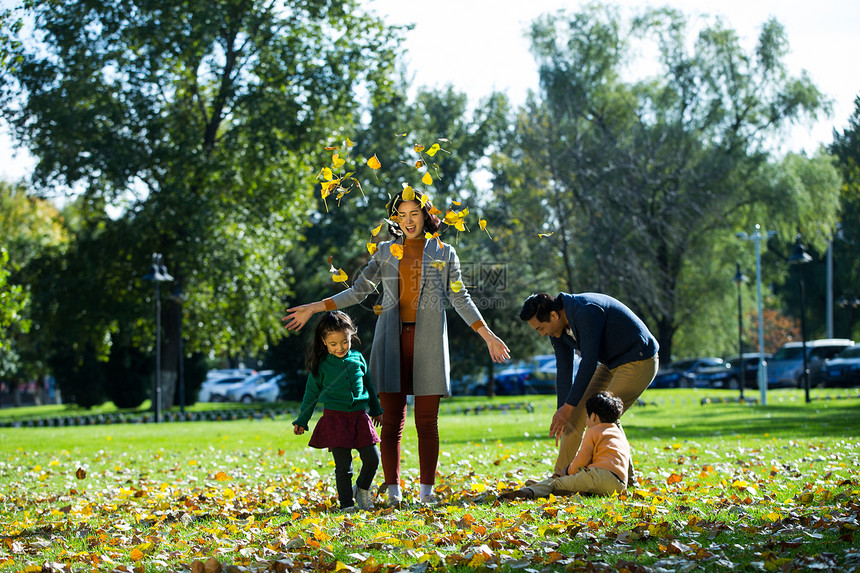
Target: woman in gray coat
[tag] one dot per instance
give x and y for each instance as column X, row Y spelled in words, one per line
column 409, row 354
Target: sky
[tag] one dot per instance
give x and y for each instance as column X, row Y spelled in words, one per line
column 479, row 46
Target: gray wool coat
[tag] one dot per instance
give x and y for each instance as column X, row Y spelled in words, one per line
column 431, row 358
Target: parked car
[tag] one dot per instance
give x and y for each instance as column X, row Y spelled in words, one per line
column 271, row 389
column 535, row 375
column 682, row 373
column 727, row 375
column 786, row 368
column 244, row 392
column 232, row 372
column 215, row 389
column 843, row 369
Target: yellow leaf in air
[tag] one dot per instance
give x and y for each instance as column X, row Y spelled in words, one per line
column 408, row 193
column 377, row 309
column 457, row 286
column 433, row 149
column 419, row 164
column 424, row 199
column 457, row 203
column 451, row 217
column 331, row 147
column 427, row 179
column 337, row 161
column 482, row 223
column 349, row 143
column 372, row 247
column 376, row 230
column 327, row 174
column 460, row 225
column 374, row 163
column 434, row 211
column 419, row 148
column 397, row 251
column 439, row 265
column 544, row 235
column 339, row 276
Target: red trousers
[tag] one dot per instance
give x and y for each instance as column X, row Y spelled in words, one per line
column 394, row 420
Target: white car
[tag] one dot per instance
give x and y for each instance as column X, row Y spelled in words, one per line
column 215, row 389
column 244, row 392
column 270, row 390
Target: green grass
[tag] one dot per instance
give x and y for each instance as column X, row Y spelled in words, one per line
column 723, row 486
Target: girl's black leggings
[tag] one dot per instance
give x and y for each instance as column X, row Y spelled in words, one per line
column 343, row 471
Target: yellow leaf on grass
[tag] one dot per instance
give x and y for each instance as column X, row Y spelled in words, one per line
column 221, row 476
column 427, row 179
column 408, row 193
column 397, row 251
column 339, row 276
column 457, row 286
column 337, row 161
column 433, row 149
column 136, row 554
column 372, row 248
column 374, row 163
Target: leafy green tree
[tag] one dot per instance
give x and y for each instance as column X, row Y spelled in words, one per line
column 201, row 122
column 630, row 181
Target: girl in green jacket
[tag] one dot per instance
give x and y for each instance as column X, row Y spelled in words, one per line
column 339, row 379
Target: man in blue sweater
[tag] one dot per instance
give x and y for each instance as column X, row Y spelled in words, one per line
column 617, row 352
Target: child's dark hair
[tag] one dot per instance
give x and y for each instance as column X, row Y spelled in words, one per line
column 330, row 321
column 606, row 405
column 540, row 305
column 431, row 221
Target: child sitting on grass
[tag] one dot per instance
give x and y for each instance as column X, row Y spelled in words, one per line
column 600, row 465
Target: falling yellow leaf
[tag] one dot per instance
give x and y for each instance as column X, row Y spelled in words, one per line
column 374, row 163
column 457, row 286
column 349, row 143
column 433, row 149
column 408, row 193
column 419, row 164
column 424, row 199
column 456, row 203
column 339, row 276
column 544, row 235
column 377, row 309
column 438, row 265
column 372, row 247
column 332, row 147
column 327, row 174
column 337, row 161
column 375, row 231
column 451, row 217
column 460, row 225
column 482, row 223
column 427, row 179
column 434, row 211
column 419, row 148
column 397, row 251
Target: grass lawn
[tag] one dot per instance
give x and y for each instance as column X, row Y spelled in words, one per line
column 722, row 487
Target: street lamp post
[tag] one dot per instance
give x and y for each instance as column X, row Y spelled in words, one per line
column 157, row 274
column 739, row 279
column 800, row 257
column 762, row 363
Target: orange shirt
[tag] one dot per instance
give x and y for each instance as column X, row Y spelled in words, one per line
column 603, row 446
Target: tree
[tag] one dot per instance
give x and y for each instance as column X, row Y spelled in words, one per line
column 201, row 121
column 630, row 181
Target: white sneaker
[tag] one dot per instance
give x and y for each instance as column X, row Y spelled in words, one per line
column 395, row 501
column 364, row 499
column 429, row 499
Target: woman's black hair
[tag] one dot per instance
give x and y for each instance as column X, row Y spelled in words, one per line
column 606, row 405
column 431, row 222
column 330, row 321
column 540, row 305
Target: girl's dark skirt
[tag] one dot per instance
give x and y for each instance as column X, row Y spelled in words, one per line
column 344, row 430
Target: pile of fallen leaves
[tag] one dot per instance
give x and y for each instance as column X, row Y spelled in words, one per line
column 261, row 510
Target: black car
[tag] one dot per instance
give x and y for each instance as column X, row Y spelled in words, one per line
column 843, row 369
column 682, row 373
column 727, row 375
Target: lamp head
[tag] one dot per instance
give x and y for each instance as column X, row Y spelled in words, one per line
column 799, row 256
